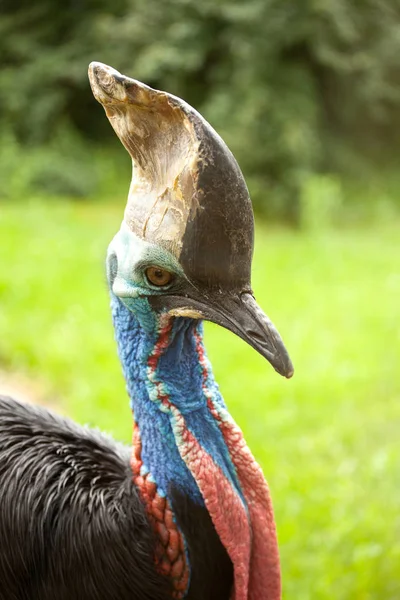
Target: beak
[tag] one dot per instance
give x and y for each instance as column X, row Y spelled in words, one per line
column 241, row 314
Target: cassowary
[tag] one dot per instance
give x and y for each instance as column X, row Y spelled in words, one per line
column 185, row 512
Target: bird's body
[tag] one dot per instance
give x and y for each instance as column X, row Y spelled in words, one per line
column 185, row 513
column 73, row 525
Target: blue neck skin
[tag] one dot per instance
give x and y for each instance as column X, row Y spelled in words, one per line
column 137, row 330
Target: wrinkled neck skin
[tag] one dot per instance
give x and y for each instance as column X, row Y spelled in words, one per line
column 185, row 440
column 160, row 359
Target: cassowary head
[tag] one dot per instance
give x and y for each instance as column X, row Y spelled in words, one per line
column 186, row 241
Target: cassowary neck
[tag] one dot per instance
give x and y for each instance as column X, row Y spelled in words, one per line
column 166, row 370
column 186, row 442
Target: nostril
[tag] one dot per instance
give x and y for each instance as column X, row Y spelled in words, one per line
column 256, row 335
column 112, row 268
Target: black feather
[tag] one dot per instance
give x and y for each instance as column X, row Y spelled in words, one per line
column 72, row 525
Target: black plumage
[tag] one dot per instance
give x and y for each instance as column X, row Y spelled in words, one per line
column 72, row 525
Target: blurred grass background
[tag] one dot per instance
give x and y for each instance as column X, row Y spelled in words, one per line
column 307, row 95
column 328, row 439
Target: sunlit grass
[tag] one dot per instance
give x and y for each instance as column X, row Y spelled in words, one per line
column 328, row 439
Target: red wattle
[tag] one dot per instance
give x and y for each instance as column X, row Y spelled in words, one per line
column 264, row 568
column 247, row 532
column 262, row 563
column 222, row 502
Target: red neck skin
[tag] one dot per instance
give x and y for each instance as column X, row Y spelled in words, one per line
column 244, row 521
column 250, row 539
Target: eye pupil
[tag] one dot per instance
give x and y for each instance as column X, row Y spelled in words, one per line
column 158, row 276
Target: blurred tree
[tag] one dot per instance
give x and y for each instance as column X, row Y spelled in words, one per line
column 294, row 88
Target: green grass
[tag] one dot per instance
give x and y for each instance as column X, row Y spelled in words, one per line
column 328, row 439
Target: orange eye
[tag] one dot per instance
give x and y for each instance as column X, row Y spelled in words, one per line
column 158, row 276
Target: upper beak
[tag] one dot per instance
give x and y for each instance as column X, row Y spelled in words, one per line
column 241, row 314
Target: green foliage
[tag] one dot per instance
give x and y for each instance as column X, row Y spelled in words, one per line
column 320, row 202
column 66, row 167
column 295, row 88
column 327, row 439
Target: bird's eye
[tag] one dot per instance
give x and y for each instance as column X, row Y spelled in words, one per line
column 158, row 276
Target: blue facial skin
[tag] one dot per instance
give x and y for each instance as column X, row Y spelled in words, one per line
column 137, row 330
